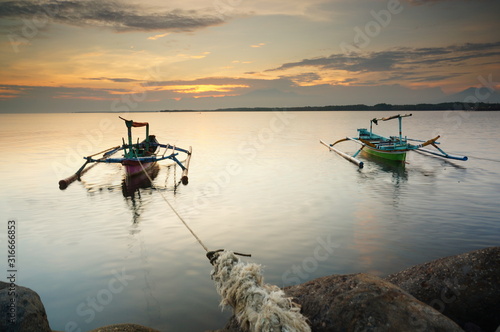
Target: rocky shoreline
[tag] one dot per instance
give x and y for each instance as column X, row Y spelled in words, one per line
column 456, row 293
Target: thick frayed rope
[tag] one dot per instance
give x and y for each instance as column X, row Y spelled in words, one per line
column 257, row 306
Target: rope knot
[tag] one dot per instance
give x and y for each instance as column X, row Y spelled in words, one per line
column 214, row 254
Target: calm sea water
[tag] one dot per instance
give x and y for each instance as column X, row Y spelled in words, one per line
column 260, row 183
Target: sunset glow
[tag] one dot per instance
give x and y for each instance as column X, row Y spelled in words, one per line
column 195, row 89
column 322, row 52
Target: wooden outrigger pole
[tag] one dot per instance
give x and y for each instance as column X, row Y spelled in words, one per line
column 442, row 154
column 185, row 169
column 343, row 154
column 64, row 183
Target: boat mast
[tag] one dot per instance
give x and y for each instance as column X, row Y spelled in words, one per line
column 399, row 117
column 129, row 132
column 400, row 128
column 130, row 124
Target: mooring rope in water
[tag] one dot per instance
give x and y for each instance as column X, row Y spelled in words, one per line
column 172, row 208
column 257, row 306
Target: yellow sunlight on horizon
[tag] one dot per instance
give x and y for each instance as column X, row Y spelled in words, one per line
column 200, row 88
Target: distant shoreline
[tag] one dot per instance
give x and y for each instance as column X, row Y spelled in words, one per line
column 449, row 106
column 456, row 106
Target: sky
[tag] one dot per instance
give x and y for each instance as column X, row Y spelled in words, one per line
column 131, row 55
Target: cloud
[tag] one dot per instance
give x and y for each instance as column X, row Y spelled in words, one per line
column 115, row 80
column 422, row 2
column 250, row 83
column 207, row 93
column 9, row 92
column 258, row 45
column 303, row 77
column 397, row 58
column 115, row 15
column 419, row 76
column 354, row 63
column 191, row 56
column 155, row 37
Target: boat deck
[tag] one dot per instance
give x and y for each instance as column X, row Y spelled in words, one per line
column 383, row 143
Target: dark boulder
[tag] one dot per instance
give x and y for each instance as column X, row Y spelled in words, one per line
column 21, row 310
column 362, row 302
column 465, row 288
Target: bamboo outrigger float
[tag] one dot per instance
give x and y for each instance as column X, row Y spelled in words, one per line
column 137, row 157
column 391, row 148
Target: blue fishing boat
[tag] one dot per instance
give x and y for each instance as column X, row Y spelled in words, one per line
column 138, row 158
column 390, row 148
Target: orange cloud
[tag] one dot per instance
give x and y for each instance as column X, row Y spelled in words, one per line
column 6, row 93
column 83, row 97
column 200, row 56
column 213, row 96
column 258, row 45
column 155, row 37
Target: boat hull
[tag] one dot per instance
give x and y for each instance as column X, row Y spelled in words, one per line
column 133, row 167
column 386, row 154
column 141, row 180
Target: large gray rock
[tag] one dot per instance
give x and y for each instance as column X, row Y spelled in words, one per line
column 124, row 328
column 465, row 288
column 23, row 312
column 362, row 302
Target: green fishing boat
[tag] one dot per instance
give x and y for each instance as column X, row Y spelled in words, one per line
column 390, row 148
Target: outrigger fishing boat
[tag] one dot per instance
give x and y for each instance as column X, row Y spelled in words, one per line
column 137, row 158
column 391, row 148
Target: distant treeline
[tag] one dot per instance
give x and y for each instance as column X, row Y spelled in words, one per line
column 457, row 106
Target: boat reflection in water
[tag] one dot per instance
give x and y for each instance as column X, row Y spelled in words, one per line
column 131, row 189
column 132, row 184
column 394, row 167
